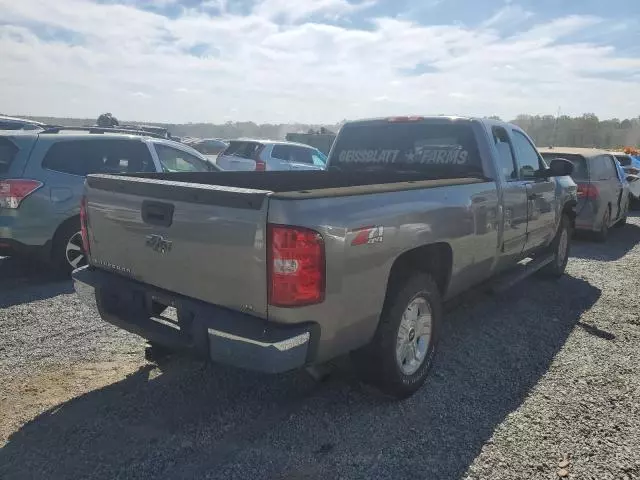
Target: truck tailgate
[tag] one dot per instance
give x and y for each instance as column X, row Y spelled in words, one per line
column 202, row 241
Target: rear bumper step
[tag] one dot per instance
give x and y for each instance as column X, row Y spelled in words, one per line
column 205, row 330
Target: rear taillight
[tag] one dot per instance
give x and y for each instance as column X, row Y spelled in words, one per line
column 83, row 225
column 261, row 166
column 14, row 191
column 296, row 266
column 588, row 190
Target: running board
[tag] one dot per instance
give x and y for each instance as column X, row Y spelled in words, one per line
column 518, row 273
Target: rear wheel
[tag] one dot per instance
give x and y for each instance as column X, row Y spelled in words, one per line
column 398, row 359
column 68, row 253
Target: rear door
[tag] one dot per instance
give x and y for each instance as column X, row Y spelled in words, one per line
column 514, row 198
column 605, row 177
column 541, row 192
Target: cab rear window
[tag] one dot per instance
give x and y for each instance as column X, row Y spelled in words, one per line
column 437, row 150
column 8, row 151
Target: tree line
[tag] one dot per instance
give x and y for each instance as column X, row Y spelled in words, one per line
column 583, row 131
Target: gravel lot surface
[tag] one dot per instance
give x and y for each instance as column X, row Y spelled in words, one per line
column 541, row 382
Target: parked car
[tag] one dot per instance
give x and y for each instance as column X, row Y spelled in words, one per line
column 265, row 155
column 603, row 197
column 42, row 176
column 14, row 123
column 273, row 271
column 632, row 175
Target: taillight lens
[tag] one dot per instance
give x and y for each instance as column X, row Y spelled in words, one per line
column 296, row 266
column 83, row 225
column 261, row 166
column 14, row 191
column 588, row 190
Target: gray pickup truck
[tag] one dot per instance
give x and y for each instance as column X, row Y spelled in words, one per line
column 273, row 271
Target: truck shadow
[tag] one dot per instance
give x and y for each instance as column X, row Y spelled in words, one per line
column 23, row 281
column 620, row 242
column 216, row 422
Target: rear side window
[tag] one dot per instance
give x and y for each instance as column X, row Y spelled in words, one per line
column 84, row 157
column 293, row 153
column 242, row 149
column 580, row 171
column 8, row 152
column 438, row 150
column 625, row 160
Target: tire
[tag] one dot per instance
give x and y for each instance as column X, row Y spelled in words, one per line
column 560, row 247
column 68, row 253
column 398, row 359
column 603, row 234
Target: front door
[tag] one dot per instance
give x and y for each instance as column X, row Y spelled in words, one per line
column 541, row 193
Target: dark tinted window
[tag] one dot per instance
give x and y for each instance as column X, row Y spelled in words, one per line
column 526, row 156
column 625, row 160
column 580, row 171
column 281, row 152
column 242, row 149
column 506, row 159
column 438, row 150
column 7, row 153
column 609, row 167
column 84, row 157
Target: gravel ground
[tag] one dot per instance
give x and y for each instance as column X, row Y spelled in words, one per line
column 540, row 382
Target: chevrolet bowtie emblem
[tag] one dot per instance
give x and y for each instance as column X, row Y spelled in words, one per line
column 158, row 243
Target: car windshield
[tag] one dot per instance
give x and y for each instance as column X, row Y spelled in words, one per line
column 580, row 171
column 438, row 150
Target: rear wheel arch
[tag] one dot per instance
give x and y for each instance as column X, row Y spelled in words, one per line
column 436, row 259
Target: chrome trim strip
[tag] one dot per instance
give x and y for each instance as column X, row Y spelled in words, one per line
column 282, row 345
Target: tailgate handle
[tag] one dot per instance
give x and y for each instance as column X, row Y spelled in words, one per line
column 157, row 213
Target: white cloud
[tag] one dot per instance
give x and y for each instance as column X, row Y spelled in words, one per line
column 259, row 68
column 300, row 9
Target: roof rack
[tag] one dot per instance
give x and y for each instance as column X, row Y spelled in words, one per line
column 99, row 130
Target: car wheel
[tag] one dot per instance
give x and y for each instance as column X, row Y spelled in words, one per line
column 603, row 233
column 560, row 247
column 398, row 359
column 68, row 251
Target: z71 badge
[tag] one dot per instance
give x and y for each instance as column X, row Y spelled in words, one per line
column 368, row 235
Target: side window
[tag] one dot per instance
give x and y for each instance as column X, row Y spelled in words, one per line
column 604, row 169
column 612, row 167
column 75, row 157
column 127, row 156
column 281, row 152
column 174, row 160
column 506, row 161
column 301, row 155
column 319, row 160
column 526, row 156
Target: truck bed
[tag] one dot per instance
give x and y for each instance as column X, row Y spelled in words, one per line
column 248, row 189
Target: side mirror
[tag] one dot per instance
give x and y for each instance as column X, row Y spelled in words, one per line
column 559, row 167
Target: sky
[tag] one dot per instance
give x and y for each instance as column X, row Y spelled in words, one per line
column 318, row 61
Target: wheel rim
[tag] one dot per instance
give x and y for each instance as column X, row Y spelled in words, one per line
column 74, row 253
column 562, row 247
column 414, row 336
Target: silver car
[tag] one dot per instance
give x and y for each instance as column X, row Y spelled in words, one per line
column 263, row 155
column 42, row 178
column 603, row 192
